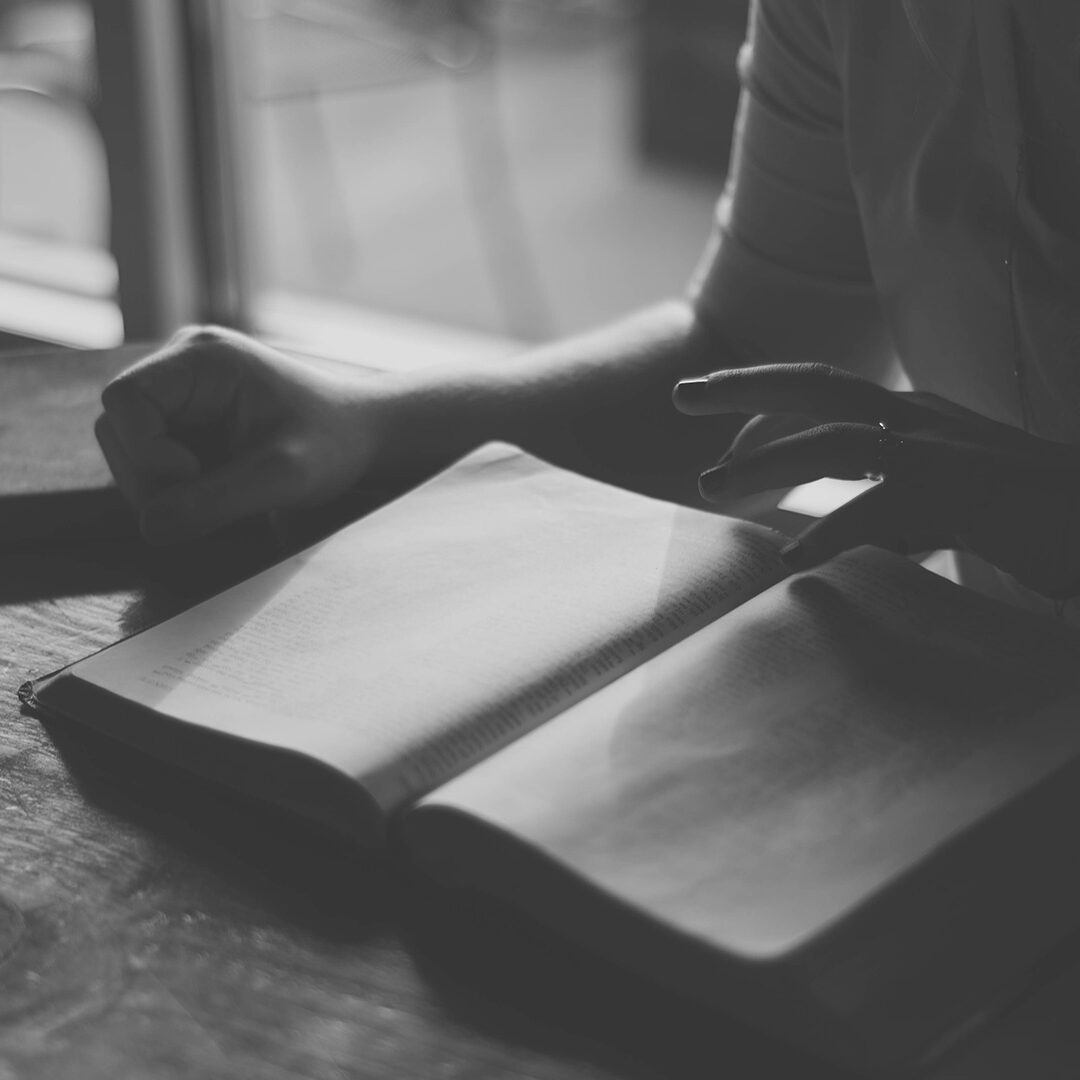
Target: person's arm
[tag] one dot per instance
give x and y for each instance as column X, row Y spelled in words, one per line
column 216, row 426
column 785, row 278
column 953, row 478
column 598, row 403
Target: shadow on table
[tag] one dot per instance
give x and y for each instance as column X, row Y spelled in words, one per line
column 280, row 859
column 491, row 965
column 491, row 970
column 91, row 546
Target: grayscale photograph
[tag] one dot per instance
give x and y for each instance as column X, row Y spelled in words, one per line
column 539, row 539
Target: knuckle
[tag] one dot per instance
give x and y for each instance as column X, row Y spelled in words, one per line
column 815, row 369
column 200, row 335
column 836, row 435
column 109, row 395
column 116, row 395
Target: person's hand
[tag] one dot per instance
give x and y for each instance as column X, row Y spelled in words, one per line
column 215, row 427
column 952, row 478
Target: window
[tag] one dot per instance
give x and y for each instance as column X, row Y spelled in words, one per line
column 347, row 174
column 57, row 276
column 462, row 163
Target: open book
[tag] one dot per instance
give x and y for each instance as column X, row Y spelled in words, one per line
column 839, row 803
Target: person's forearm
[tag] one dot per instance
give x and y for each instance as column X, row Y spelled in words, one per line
column 599, row 403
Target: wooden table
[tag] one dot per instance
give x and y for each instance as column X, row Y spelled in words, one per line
column 153, row 927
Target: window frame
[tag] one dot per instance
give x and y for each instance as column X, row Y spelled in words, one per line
column 170, row 113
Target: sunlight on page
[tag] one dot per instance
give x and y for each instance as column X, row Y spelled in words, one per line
column 411, row 644
column 821, row 497
column 767, row 773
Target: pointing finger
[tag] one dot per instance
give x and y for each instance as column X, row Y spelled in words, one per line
column 765, row 428
column 814, row 389
column 843, row 451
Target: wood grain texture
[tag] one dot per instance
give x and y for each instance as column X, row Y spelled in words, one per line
column 52, row 476
column 151, row 926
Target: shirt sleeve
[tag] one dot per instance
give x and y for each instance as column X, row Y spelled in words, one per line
column 788, row 228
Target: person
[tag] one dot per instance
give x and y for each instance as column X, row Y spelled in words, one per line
column 902, row 188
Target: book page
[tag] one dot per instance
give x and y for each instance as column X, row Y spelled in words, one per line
column 412, row 643
column 770, row 772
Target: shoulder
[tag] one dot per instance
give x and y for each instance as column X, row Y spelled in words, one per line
column 803, row 54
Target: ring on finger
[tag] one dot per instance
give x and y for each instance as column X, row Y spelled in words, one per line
column 887, row 445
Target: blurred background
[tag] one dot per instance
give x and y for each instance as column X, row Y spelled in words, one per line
column 334, row 173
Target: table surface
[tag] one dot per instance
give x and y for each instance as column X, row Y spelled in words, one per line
column 153, row 927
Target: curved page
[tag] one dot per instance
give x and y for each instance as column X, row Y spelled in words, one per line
column 418, row 640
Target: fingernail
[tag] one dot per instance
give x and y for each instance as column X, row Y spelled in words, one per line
column 691, row 391
column 793, row 555
column 712, row 482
